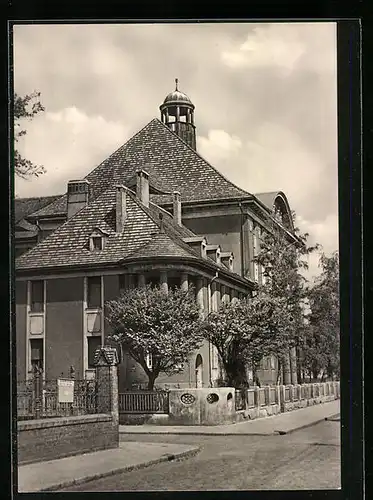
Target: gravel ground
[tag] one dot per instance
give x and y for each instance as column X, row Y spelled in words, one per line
column 305, row 459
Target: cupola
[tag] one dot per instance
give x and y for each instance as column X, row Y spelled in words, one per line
column 177, row 112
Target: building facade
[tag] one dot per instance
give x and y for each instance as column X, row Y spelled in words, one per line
column 153, row 212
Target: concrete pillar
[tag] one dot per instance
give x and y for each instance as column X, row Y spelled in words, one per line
column 177, row 113
column 163, row 281
column 214, row 297
column 141, row 281
column 293, row 365
column 225, row 294
column 200, row 293
column 287, row 371
column 184, row 283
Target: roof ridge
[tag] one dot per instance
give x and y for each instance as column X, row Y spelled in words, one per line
column 201, row 157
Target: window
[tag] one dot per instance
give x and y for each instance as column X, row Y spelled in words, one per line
column 37, row 296
column 94, row 292
column 37, row 357
column 273, row 362
column 256, row 271
column 93, row 344
column 149, row 360
column 97, row 243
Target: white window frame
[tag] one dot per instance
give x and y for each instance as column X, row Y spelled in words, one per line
column 29, row 335
column 88, row 372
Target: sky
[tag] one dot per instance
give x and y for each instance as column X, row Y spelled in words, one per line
column 265, row 98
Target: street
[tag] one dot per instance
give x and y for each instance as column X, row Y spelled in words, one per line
column 305, row 459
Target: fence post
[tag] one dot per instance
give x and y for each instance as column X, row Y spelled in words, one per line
column 267, row 395
column 278, row 394
column 257, row 397
column 282, row 398
column 72, row 376
column 106, row 361
column 291, row 395
column 37, row 389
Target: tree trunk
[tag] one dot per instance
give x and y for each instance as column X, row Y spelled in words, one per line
column 235, row 375
column 151, row 379
column 279, row 369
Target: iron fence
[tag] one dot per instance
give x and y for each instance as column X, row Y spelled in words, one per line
column 144, row 402
column 39, row 398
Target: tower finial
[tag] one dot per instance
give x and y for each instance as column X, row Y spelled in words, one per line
column 176, row 81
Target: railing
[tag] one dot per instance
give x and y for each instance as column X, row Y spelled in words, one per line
column 144, row 402
column 251, row 398
column 287, row 393
column 262, row 397
column 38, row 398
column 240, row 399
column 272, row 395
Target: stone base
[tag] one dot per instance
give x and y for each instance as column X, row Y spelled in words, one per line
column 253, row 413
column 141, row 419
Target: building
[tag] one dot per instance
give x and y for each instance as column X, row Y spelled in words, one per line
column 153, row 211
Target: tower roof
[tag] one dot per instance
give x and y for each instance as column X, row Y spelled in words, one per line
column 177, row 97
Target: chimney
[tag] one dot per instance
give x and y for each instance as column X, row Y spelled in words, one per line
column 177, row 208
column 77, row 196
column 227, row 259
column 120, row 208
column 142, row 187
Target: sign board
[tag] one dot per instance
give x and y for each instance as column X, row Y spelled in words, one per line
column 65, row 391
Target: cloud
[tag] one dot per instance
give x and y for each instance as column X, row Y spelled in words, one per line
column 219, row 146
column 69, row 144
column 273, row 45
column 285, row 46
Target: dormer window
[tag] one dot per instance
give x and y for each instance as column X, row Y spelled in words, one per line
column 97, row 243
column 97, row 240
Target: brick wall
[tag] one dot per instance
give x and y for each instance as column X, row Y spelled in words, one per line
column 54, row 438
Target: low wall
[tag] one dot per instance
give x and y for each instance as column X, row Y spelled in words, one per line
column 294, row 397
column 203, row 406
column 52, row 438
column 193, row 406
column 266, row 401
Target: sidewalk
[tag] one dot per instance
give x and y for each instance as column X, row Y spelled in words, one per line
column 283, row 423
column 56, row 474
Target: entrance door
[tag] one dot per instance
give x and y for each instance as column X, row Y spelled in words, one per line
column 199, row 371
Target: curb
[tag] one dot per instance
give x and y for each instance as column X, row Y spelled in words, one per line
column 310, row 424
column 201, row 433
column 163, row 458
column 334, row 418
column 197, row 433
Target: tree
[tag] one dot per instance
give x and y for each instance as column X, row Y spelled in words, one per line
column 321, row 343
column 25, row 108
column 150, row 324
column 282, row 258
column 244, row 331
